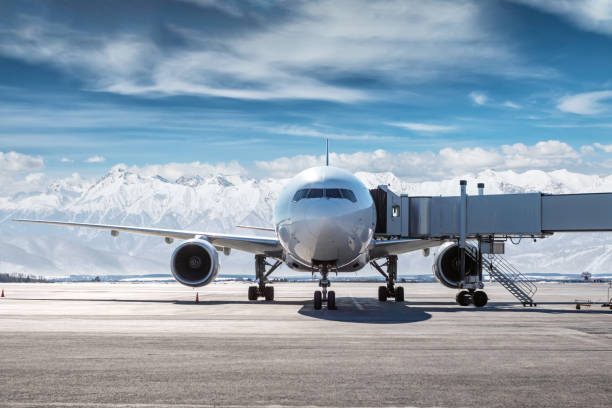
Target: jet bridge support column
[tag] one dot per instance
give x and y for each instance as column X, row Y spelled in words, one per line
column 462, row 231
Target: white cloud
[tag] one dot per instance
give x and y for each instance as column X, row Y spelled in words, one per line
column 479, row 98
column 66, row 160
column 423, row 127
column 434, row 165
column 297, row 57
column 605, row 148
column 34, row 178
column 591, row 15
column 95, row 159
column 585, row 150
column 14, row 162
column 510, row 104
column 541, row 155
column 588, row 103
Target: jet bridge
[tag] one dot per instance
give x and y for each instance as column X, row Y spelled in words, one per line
column 497, row 215
column 487, row 219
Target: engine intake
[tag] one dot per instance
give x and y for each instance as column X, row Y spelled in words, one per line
column 195, row 263
column 446, row 267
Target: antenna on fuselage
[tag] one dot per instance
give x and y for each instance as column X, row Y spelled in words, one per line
column 327, row 152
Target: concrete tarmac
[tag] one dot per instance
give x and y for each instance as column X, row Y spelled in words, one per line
column 149, row 345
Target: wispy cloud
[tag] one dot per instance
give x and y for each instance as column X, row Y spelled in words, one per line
column 588, row 103
column 304, row 131
column 510, row 104
column 591, row 15
column 304, row 56
column 423, row 127
column 95, row 159
column 66, row 160
column 479, row 98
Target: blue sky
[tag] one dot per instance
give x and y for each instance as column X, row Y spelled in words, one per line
column 403, row 86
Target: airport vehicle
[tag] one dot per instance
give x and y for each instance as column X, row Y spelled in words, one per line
column 327, row 221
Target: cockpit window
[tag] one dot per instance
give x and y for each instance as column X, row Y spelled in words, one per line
column 300, row 194
column 315, row 193
column 349, row 195
column 333, row 193
column 340, row 193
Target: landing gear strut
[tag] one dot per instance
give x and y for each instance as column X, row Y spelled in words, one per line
column 262, row 290
column 323, row 295
column 390, row 276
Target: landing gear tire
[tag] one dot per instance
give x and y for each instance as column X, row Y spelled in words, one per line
column 331, row 300
column 318, row 300
column 253, row 293
column 463, row 298
column 382, row 293
column 480, row 298
column 399, row 294
column 269, row 293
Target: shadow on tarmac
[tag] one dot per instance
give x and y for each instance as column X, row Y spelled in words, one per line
column 365, row 311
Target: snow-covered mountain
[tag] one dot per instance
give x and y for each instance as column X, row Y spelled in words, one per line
column 220, row 202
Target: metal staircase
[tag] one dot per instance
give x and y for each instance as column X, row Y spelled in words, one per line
column 508, row 276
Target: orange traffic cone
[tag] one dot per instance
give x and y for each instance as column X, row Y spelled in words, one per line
column 2, row 295
column 197, row 297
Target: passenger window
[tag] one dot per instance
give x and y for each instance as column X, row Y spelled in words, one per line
column 349, row 195
column 333, row 193
column 315, row 193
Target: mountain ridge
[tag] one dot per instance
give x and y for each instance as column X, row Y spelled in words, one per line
column 219, row 202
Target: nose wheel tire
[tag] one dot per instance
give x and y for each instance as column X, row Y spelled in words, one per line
column 269, row 293
column 253, row 293
column 399, row 294
column 463, row 298
column 331, row 300
column 480, row 298
column 382, row 293
column 318, row 300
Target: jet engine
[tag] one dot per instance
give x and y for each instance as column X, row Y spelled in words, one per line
column 446, row 267
column 195, row 263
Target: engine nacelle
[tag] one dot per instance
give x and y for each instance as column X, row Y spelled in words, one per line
column 195, row 263
column 446, row 267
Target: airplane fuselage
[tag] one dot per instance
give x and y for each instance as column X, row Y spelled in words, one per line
column 325, row 216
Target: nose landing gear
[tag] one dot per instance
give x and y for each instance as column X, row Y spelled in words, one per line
column 323, row 295
column 262, row 290
column 390, row 276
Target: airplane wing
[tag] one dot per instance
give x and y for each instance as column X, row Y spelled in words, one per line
column 269, row 229
column 381, row 248
column 255, row 245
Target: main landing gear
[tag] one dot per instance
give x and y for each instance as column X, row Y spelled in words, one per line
column 262, row 290
column 323, row 295
column 390, row 275
column 476, row 297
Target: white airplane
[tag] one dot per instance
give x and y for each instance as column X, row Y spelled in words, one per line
column 324, row 220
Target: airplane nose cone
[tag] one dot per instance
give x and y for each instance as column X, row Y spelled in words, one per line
column 333, row 231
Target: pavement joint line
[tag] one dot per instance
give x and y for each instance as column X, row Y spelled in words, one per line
column 356, row 303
